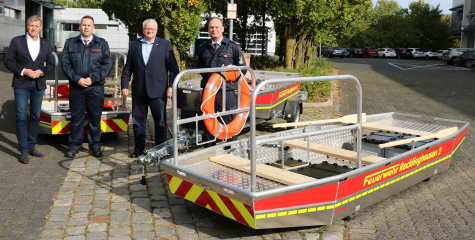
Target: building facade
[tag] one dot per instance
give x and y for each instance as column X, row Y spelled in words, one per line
column 67, row 26
column 13, row 15
column 463, row 22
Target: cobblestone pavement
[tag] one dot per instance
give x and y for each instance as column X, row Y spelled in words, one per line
column 444, row 207
column 101, row 198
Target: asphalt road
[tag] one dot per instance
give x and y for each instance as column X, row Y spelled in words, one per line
column 444, row 207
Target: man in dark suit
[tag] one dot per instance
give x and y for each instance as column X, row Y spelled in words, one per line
column 152, row 62
column 86, row 62
column 30, row 59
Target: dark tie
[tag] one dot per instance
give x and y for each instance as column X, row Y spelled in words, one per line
column 85, row 42
column 215, row 46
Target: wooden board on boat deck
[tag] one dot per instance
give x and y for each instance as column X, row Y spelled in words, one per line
column 333, row 151
column 377, row 127
column 262, row 170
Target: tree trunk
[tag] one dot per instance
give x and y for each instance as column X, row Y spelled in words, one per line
column 290, row 38
column 298, row 53
column 263, row 28
column 281, row 44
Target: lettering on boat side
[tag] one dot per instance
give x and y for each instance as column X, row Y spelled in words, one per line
column 287, row 91
column 390, row 171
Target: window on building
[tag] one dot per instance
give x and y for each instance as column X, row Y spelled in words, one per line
column 11, row 13
column 113, row 27
column 100, row 26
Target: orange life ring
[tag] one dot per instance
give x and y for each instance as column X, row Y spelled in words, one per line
column 209, row 97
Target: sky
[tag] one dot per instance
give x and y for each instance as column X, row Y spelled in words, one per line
column 445, row 5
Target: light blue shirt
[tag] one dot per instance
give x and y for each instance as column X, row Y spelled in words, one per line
column 146, row 50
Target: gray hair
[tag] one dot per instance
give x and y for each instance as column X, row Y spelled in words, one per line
column 150, row 21
column 34, row 18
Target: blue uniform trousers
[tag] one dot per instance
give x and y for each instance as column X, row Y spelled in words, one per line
column 93, row 97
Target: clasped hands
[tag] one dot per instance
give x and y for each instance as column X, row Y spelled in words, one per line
column 32, row 74
column 85, row 82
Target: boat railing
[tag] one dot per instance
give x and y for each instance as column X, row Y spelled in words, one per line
column 116, row 79
column 254, row 142
column 118, row 55
column 177, row 122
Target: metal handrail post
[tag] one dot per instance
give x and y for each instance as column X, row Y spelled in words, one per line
column 55, row 82
column 124, row 99
column 252, row 115
column 174, row 98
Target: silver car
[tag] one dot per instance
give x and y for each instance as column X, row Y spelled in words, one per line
column 450, row 54
column 416, row 52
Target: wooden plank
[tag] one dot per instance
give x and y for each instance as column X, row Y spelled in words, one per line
column 262, row 170
column 333, row 151
column 353, row 118
column 377, row 127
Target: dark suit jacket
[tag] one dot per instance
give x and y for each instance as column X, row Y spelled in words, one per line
column 155, row 78
column 18, row 57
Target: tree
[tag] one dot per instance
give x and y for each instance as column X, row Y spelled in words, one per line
column 306, row 22
column 179, row 20
column 81, row 3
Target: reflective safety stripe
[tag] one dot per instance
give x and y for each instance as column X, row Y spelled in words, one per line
column 212, row 87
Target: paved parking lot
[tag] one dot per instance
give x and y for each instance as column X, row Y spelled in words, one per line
column 442, row 208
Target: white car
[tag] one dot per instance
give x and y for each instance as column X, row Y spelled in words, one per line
column 429, row 53
column 416, row 52
column 386, row 52
column 440, row 53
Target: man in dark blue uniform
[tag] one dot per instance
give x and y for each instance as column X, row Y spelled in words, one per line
column 218, row 52
column 86, row 63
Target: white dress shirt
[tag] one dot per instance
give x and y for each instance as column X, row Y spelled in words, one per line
column 33, row 48
column 88, row 40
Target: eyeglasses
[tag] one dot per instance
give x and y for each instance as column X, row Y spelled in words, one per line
column 150, row 29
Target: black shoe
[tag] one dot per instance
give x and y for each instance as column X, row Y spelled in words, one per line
column 136, row 154
column 24, row 158
column 96, row 152
column 33, row 152
column 71, row 153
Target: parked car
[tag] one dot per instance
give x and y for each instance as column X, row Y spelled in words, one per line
column 465, row 59
column 430, row 53
column 440, row 53
column 386, row 53
column 402, row 53
column 346, row 52
column 449, row 55
column 370, row 52
column 416, row 52
column 318, row 50
column 355, row 52
column 333, row 51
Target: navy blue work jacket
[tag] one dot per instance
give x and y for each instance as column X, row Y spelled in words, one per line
column 81, row 61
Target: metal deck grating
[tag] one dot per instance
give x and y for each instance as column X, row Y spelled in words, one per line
column 232, row 176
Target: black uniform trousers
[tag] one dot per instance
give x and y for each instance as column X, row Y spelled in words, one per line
column 139, row 116
column 231, row 104
column 82, row 100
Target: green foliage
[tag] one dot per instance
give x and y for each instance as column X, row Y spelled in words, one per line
column 315, row 90
column 421, row 25
column 179, row 20
column 81, row 3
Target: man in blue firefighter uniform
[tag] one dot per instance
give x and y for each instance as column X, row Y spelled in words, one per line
column 86, row 63
column 219, row 51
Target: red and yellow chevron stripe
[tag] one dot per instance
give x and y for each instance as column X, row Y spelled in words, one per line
column 223, row 205
column 113, row 125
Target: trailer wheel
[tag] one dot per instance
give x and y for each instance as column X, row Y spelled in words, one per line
column 297, row 119
column 351, row 217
